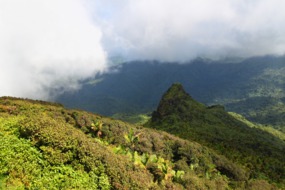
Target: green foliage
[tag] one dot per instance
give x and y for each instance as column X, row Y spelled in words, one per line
column 138, row 119
column 66, row 151
column 25, row 167
column 178, row 175
column 258, row 151
column 52, row 153
column 267, row 128
column 158, row 166
column 163, row 155
column 263, row 110
column 131, row 138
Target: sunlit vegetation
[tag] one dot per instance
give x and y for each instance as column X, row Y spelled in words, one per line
column 267, row 128
column 138, row 119
column 264, row 110
column 24, row 166
column 44, row 146
column 43, row 150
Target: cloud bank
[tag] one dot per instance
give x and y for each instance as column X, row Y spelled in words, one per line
column 184, row 29
column 46, row 47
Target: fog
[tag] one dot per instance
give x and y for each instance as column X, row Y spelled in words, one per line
column 184, row 29
column 47, row 47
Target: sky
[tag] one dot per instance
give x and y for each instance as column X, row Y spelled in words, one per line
column 48, row 47
column 183, row 29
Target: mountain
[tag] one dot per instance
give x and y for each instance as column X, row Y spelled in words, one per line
column 45, row 146
column 252, row 87
column 260, row 152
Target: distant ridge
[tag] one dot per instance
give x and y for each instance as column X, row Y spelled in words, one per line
column 251, row 87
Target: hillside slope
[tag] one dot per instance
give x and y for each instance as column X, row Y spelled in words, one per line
column 260, row 152
column 45, row 146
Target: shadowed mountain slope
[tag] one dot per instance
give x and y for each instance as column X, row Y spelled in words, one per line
column 252, row 87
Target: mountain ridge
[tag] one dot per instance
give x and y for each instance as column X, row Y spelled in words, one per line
column 214, row 127
column 77, row 149
column 136, row 87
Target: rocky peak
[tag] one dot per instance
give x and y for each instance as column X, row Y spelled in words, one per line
column 175, row 101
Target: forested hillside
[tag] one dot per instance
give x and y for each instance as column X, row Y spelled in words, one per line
column 260, row 152
column 44, row 146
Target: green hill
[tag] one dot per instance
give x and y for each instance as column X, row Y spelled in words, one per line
column 260, row 152
column 45, row 146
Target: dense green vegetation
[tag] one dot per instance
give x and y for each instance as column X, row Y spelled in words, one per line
column 138, row 119
column 260, row 152
column 264, row 110
column 45, row 146
column 266, row 128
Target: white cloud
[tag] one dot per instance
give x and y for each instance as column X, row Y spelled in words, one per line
column 47, row 47
column 183, row 29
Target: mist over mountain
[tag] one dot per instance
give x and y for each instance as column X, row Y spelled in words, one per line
column 47, row 48
column 181, row 30
column 252, row 85
column 117, row 59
